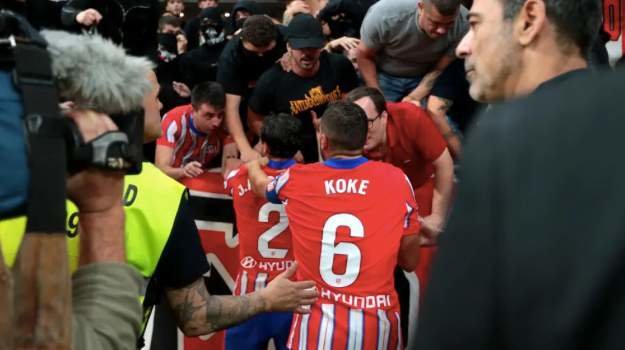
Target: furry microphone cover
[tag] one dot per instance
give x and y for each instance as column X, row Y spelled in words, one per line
column 95, row 73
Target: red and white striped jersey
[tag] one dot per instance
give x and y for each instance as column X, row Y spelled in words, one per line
column 330, row 326
column 347, row 220
column 189, row 143
column 264, row 235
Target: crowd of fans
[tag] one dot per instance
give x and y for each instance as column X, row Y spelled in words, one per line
column 229, row 86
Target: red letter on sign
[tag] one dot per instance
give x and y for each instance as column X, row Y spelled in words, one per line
column 612, row 18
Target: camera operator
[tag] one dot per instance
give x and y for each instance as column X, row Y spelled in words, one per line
column 102, row 273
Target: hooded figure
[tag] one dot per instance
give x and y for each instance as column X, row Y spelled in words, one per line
column 193, row 30
column 240, row 11
column 200, row 64
column 344, row 17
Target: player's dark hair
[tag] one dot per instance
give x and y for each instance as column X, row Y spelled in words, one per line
column 282, row 134
column 259, row 31
column 374, row 94
column 445, row 7
column 208, row 92
column 575, row 22
column 345, row 125
column 169, row 20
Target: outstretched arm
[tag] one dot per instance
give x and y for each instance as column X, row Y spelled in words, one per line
column 257, row 176
column 200, row 313
column 443, row 188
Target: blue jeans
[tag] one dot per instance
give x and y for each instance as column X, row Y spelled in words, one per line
column 395, row 88
column 255, row 333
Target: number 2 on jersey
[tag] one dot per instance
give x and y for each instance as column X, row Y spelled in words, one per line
column 351, row 250
column 273, row 232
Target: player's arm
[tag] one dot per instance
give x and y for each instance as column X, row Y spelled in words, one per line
column 163, row 158
column 258, row 179
column 366, row 63
column 428, row 81
column 441, row 199
column 408, row 256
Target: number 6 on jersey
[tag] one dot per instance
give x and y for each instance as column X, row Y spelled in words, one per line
column 329, row 250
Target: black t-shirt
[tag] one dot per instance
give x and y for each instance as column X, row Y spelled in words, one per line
column 182, row 261
column 278, row 91
column 200, row 64
column 238, row 69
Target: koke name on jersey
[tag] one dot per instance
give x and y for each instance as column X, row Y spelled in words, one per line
column 355, row 186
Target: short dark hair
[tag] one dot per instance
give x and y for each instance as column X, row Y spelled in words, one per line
column 374, row 94
column 208, row 92
column 169, row 20
column 576, row 22
column 445, row 7
column 282, row 134
column 345, row 125
column 259, row 30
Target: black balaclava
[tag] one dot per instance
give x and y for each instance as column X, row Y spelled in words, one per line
column 211, row 26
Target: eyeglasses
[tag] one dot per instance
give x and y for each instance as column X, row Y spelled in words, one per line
column 372, row 121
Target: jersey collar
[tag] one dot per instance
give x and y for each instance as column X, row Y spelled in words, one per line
column 280, row 164
column 193, row 128
column 345, row 163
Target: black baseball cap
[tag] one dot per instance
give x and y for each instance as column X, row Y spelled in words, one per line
column 304, row 31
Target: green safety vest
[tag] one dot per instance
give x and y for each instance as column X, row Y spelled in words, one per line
column 151, row 201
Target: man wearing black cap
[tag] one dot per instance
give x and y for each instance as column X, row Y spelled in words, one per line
column 316, row 79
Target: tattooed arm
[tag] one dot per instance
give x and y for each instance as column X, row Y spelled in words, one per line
column 197, row 312
column 438, row 108
column 428, row 81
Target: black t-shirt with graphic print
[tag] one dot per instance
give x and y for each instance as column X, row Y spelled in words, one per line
column 278, row 91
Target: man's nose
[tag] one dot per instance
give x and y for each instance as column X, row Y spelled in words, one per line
column 464, row 47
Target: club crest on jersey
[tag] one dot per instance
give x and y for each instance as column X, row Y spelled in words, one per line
column 271, row 186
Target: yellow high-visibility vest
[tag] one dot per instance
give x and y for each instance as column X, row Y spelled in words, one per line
column 151, row 201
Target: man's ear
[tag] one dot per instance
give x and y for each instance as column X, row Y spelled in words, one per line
column 384, row 116
column 323, row 141
column 264, row 149
column 530, row 22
